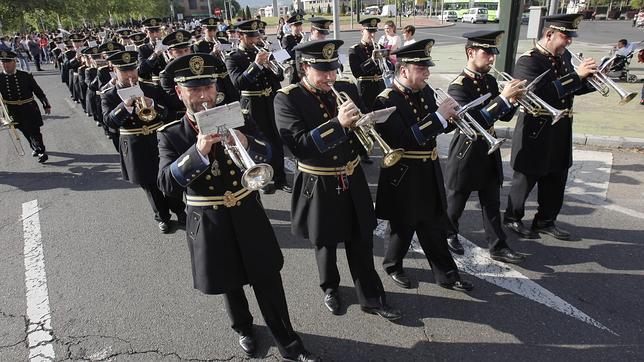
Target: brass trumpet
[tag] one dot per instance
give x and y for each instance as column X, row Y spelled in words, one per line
column 467, row 124
column 145, row 113
column 275, row 66
column 602, row 82
column 367, row 134
column 255, row 176
column 379, row 56
column 531, row 102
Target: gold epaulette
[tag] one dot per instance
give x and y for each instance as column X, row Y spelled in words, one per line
column 288, row 88
column 345, row 80
column 458, row 80
column 385, row 93
column 528, row 53
column 146, row 81
column 167, row 125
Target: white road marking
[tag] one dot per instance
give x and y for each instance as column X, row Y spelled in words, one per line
column 477, row 263
column 39, row 332
column 588, row 180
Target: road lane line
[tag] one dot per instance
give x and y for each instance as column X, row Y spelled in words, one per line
column 40, row 335
column 477, row 262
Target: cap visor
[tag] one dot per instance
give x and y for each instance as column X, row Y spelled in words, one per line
column 197, row 82
column 126, row 67
column 326, row 67
column 572, row 34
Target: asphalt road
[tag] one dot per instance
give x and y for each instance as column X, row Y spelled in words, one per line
column 117, row 289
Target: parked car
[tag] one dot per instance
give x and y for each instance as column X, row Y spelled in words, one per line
column 475, row 15
column 449, row 15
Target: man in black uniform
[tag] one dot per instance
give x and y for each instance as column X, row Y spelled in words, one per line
column 331, row 200
column 137, row 141
column 230, row 238
column 210, row 45
column 258, row 85
column 410, row 193
column 178, row 44
column 103, row 81
column 17, row 88
column 319, row 28
column 469, row 166
column 291, row 40
column 542, row 151
column 365, row 69
column 151, row 61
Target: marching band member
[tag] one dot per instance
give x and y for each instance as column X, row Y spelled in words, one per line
column 151, row 60
column 231, row 240
column 137, row 121
column 250, row 74
column 411, row 194
column 17, row 88
column 291, row 40
column 178, row 44
column 319, row 28
column 331, row 203
column 469, row 167
column 542, row 151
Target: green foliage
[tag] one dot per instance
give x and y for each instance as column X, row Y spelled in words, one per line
column 343, row 9
column 328, row 9
column 247, row 14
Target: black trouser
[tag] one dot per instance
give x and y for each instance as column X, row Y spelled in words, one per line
column 36, row 60
column 432, row 238
column 367, row 283
column 272, row 304
column 161, row 204
column 34, row 137
column 550, row 195
column 264, row 116
column 489, row 198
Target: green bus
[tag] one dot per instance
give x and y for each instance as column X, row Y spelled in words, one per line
column 460, row 6
column 492, row 9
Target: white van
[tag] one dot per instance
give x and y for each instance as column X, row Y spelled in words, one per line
column 449, row 15
column 475, row 15
column 388, row 10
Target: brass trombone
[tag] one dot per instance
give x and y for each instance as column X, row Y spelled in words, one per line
column 531, row 102
column 602, row 82
column 10, row 125
column 466, row 123
column 367, row 134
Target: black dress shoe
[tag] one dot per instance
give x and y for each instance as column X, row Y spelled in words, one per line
column 34, row 154
column 459, row 285
column 550, row 229
column 366, row 159
column 181, row 219
column 332, row 302
column 384, row 311
column 284, row 186
column 304, row 356
column 42, row 157
column 164, row 227
column 248, row 345
column 268, row 189
column 518, row 228
column 507, row 255
column 401, row 279
column 455, row 245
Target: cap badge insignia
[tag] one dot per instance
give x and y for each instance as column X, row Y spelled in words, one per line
column 196, row 65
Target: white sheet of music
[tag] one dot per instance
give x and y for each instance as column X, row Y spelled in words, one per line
column 129, row 92
column 227, row 115
column 281, row 55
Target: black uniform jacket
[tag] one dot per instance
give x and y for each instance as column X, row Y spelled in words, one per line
column 139, row 152
column 230, row 246
column 224, row 83
column 309, row 126
column 364, row 69
column 468, row 166
column 18, row 91
column 150, row 64
column 538, row 147
column 289, row 42
column 411, row 190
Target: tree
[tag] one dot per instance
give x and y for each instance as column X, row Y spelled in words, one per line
column 247, row 15
column 328, row 9
column 343, row 9
column 319, row 10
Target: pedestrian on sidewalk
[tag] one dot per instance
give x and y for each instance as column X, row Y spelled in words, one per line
column 21, row 53
column 34, row 49
column 640, row 59
column 390, row 40
column 408, row 34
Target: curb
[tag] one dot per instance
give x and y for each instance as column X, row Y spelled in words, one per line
column 446, row 25
column 589, row 140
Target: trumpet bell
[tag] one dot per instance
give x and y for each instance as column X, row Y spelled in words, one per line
column 257, row 176
column 626, row 97
column 392, row 157
column 496, row 145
